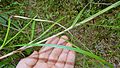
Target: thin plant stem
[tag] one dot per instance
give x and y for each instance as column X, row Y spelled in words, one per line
column 8, row 29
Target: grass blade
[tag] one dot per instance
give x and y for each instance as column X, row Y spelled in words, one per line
column 71, row 48
column 106, row 26
column 78, row 16
column 33, row 30
column 33, row 19
column 8, row 29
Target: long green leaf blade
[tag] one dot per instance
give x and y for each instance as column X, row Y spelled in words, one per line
column 8, row 29
column 71, row 48
column 99, row 13
column 33, row 30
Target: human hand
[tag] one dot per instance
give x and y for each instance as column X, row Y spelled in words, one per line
column 49, row 57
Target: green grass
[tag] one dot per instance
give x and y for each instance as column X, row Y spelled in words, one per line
column 9, row 21
column 98, row 38
column 33, row 30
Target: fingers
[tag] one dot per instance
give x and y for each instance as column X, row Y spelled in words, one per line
column 62, row 58
column 70, row 60
column 45, row 52
column 28, row 62
column 50, row 57
column 47, row 42
column 56, row 52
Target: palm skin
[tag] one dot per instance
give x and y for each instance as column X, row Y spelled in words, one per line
column 49, row 57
